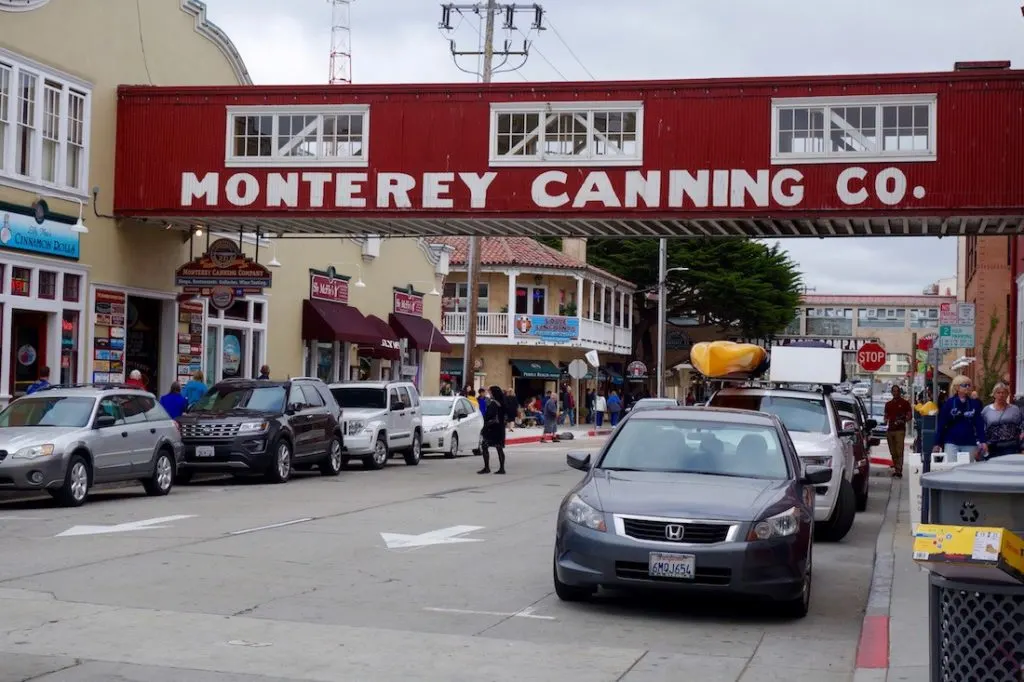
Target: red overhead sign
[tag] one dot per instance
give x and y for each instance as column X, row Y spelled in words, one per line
column 408, row 304
column 328, row 286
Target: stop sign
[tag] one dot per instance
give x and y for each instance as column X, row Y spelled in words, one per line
column 871, row 357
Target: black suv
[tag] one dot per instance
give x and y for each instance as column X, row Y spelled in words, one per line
column 250, row 426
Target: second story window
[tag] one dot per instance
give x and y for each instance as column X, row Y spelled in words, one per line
column 44, row 127
column 880, row 318
column 455, row 298
column 830, row 322
column 307, row 136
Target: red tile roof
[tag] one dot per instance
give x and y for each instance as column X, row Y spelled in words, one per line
column 517, row 251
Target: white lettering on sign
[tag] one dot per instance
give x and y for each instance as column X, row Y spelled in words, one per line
column 735, row 188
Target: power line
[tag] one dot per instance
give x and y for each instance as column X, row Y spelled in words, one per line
column 541, row 55
column 562, row 40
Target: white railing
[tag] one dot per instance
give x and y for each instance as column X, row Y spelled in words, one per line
column 487, row 324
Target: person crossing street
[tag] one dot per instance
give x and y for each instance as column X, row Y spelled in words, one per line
column 493, row 432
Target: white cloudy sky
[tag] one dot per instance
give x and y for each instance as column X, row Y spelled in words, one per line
column 398, row 41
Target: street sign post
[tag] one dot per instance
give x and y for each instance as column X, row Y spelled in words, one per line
column 871, row 358
column 956, row 326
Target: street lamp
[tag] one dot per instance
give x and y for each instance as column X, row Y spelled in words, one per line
column 433, row 286
column 663, row 272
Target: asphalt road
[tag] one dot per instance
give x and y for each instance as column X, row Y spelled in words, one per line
column 263, row 583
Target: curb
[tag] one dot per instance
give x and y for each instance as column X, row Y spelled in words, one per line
column 525, row 440
column 873, row 647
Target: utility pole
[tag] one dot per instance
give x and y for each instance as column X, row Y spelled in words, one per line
column 486, row 74
column 662, row 286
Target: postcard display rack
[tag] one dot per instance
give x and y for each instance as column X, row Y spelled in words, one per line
column 190, row 340
column 108, row 336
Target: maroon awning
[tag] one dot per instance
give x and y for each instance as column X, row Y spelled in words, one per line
column 421, row 332
column 386, row 346
column 325, row 321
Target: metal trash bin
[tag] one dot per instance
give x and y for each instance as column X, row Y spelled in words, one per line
column 925, row 438
column 976, row 627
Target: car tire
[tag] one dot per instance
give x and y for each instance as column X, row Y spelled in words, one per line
column 839, row 524
column 799, row 607
column 567, row 592
column 280, row 469
column 380, row 456
column 333, row 463
column 453, row 447
column 862, row 489
column 183, row 477
column 415, row 451
column 77, row 480
column 162, row 480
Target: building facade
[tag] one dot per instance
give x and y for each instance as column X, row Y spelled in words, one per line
column 538, row 309
column 91, row 296
column 987, row 265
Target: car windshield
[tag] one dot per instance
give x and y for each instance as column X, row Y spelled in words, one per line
column 49, row 411
column 224, row 398
column 801, row 415
column 361, row 396
column 436, row 407
column 697, row 447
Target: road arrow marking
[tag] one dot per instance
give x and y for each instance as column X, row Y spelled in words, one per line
column 525, row 613
column 123, row 527
column 445, row 536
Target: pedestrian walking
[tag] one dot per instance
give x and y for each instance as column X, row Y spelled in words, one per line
column 600, row 407
column 173, row 401
column 195, row 388
column 550, row 412
column 42, row 382
column 960, row 425
column 511, row 409
column 614, row 408
column 897, row 413
column 481, row 399
column 493, row 432
column 1004, row 424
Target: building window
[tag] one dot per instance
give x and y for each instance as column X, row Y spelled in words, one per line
column 72, row 288
column 881, row 318
column 44, row 126
column 307, row 136
column 235, row 341
column 456, row 298
column 567, row 133
column 841, row 129
column 924, row 318
column 47, row 285
column 21, row 281
column 830, row 321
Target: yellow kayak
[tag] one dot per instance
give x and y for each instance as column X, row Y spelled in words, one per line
column 727, row 359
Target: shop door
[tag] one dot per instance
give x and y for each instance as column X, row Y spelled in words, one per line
column 142, row 349
column 28, row 349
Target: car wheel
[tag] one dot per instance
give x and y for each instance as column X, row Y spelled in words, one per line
column 567, row 592
column 839, row 524
column 380, row 454
column 413, row 454
column 75, row 488
column 862, row 487
column 281, row 468
column 799, row 607
column 163, row 475
column 331, row 466
column 453, row 447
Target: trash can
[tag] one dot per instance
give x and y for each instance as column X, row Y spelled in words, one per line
column 976, row 626
column 926, row 433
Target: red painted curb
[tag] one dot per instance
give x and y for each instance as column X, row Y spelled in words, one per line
column 873, row 647
column 523, row 440
column 881, row 460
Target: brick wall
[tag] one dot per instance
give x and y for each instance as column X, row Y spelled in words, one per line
column 987, row 284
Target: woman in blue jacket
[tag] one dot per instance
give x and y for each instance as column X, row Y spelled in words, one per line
column 960, row 425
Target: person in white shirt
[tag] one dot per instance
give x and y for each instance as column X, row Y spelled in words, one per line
column 600, row 407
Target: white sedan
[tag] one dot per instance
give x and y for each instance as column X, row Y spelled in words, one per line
column 450, row 425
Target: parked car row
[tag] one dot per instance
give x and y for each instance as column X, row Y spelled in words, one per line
column 66, row 439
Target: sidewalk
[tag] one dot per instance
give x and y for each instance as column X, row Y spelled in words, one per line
column 532, row 434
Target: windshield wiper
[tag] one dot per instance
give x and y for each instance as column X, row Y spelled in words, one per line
column 716, row 473
column 621, row 469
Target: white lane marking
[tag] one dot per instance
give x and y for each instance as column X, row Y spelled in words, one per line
column 273, row 525
column 146, row 524
column 21, row 518
column 444, row 536
column 525, row 613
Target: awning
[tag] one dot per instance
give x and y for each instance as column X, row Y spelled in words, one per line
column 421, row 332
column 609, row 374
column 451, row 366
column 325, row 321
column 386, row 346
column 536, row 369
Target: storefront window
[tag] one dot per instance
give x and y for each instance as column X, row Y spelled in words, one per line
column 233, row 350
column 257, row 346
column 239, row 310
column 72, row 288
column 47, row 285
column 69, row 347
column 21, row 281
column 325, row 361
column 212, row 344
column 236, row 340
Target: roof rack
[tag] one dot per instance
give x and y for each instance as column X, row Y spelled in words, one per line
column 825, row 389
column 102, row 386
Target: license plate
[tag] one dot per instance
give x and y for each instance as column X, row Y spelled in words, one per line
column 205, row 451
column 679, row 566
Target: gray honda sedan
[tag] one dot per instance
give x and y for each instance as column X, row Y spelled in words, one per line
column 708, row 500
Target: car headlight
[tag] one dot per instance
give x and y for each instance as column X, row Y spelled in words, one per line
column 253, row 427
column 34, row 452
column 439, row 427
column 582, row 514
column 778, row 526
column 818, row 461
column 356, row 426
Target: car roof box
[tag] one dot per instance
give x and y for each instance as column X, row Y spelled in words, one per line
column 806, row 365
column 729, row 361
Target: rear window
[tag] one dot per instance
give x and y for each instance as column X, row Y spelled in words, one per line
column 800, row 415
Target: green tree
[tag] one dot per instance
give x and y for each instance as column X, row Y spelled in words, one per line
column 737, row 285
column 994, row 356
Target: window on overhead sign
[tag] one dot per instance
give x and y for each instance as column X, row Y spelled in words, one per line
column 299, row 135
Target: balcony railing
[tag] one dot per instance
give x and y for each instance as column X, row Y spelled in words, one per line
column 591, row 332
column 487, row 324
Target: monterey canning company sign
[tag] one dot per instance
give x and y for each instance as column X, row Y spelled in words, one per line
column 549, row 189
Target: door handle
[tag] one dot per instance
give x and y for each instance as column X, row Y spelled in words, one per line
column 124, row 434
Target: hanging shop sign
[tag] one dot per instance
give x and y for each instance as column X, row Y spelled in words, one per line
column 328, row 285
column 37, row 232
column 408, row 303
column 636, row 370
column 223, row 274
column 553, row 329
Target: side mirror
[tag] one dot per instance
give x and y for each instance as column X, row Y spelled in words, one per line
column 293, row 408
column 847, row 433
column 578, row 460
column 871, row 423
column 817, row 475
column 849, row 425
column 874, row 441
column 103, row 421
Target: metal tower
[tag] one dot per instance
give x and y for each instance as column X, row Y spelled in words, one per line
column 341, row 42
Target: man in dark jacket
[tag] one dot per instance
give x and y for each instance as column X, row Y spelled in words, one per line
column 493, row 432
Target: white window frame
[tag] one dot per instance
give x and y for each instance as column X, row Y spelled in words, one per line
column 543, row 109
column 873, row 156
column 278, row 161
column 215, row 318
column 34, row 182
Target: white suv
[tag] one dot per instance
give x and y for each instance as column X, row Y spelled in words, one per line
column 815, row 427
column 379, row 418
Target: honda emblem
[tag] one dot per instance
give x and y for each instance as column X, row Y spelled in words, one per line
column 674, row 532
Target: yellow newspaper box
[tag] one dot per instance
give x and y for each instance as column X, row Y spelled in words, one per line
column 970, row 552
